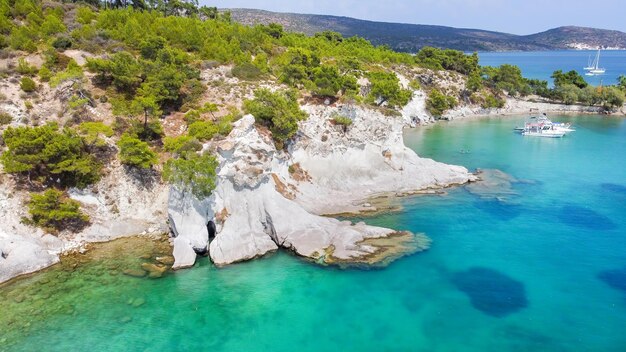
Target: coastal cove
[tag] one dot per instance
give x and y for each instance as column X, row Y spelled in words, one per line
column 541, row 64
column 536, row 265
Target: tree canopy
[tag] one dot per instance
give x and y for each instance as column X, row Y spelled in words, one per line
column 279, row 111
column 135, row 152
column 49, row 154
column 571, row 77
column 53, row 210
column 192, row 172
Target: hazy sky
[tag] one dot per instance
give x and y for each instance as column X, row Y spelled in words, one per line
column 511, row 16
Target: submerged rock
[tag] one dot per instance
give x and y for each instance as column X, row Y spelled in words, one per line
column 135, row 272
column 137, row 302
column 502, row 210
column 165, row 260
column 154, row 270
column 493, row 184
column 614, row 188
column 491, row 291
column 615, row 278
column 576, row 216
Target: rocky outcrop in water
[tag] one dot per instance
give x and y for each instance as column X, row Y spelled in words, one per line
column 22, row 254
column 266, row 198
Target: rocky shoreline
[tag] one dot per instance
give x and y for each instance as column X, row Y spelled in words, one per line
column 521, row 107
column 265, row 198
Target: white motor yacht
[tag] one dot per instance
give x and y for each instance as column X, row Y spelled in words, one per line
column 564, row 127
column 542, row 130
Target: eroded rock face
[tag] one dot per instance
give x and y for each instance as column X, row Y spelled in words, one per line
column 188, row 218
column 369, row 158
column 258, row 206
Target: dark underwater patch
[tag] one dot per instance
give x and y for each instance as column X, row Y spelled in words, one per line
column 491, row 291
column 614, row 188
column 615, row 278
column 576, row 216
column 502, row 210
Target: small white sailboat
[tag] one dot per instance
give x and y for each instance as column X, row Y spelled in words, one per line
column 589, row 66
column 595, row 68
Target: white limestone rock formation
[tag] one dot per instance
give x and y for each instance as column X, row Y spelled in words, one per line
column 188, row 219
column 266, row 199
column 346, row 167
column 26, row 254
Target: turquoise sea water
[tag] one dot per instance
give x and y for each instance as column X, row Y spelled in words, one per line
column 543, row 271
column 541, row 64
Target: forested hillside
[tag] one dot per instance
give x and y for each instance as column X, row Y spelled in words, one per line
column 146, row 84
column 412, row 37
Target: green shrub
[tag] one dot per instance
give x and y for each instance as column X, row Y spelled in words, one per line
column 72, row 71
column 150, row 130
column 45, row 74
column 386, row 89
column 192, row 116
column 192, row 173
column 52, row 25
column 84, row 15
column 24, row 68
column 203, row 130
column 279, row 111
column 62, row 43
column 492, row 101
column 611, row 97
column 326, row 81
column 93, row 133
column 567, row 93
column 437, row 102
column 246, row 71
column 507, row 78
column 181, row 144
column 53, row 210
column 5, row 118
column 28, row 85
column 135, row 152
column 342, row 120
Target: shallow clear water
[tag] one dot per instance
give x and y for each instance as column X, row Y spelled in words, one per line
column 541, row 64
column 544, row 270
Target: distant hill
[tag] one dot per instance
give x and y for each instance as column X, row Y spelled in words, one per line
column 411, row 37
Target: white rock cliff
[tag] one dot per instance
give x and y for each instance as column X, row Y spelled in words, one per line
column 265, row 199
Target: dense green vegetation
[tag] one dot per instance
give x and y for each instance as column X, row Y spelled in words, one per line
column 192, row 172
column 47, row 154
column 453, row 60
column 279, row 111
column 135, row 152
column 147, row 62
column 385, row 88
column 571, row 88
column 437, row 102
column 52, row 210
